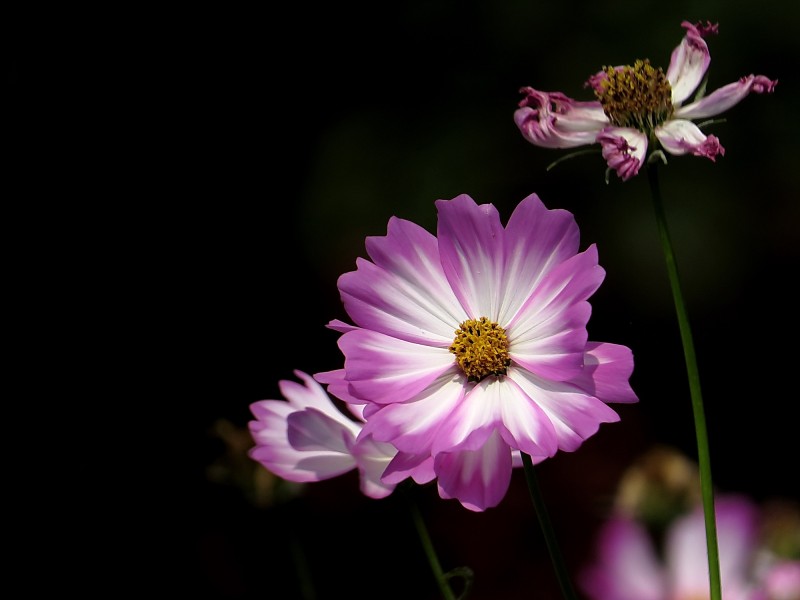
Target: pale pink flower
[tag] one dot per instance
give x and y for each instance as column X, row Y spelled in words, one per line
column 782, row 580
column 307, row 438
column 470, row 347
column 631, row 565
column 638, row 106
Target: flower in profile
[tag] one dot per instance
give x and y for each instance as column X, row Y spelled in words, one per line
column 307, row 438
column 470, row 347
column 630, row 565
column 639, row 105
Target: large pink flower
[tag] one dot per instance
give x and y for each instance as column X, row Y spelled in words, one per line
column 470, row 347
column 306, row 438
column 637, row 105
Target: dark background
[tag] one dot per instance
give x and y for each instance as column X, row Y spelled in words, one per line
column 188, row 186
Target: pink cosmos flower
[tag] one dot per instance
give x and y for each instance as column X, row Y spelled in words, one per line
column 782, row 580
column 631, row 566
column 471, row 346
column 639, row 105
column 306, row 438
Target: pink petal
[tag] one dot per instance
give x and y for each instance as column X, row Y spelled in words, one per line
column 574, row 415
column 405, row 464
column 606, row 373
column 548, row 334
column 413, row 426
column 405, row 293
column 275, row 452
column 373, row 458
column 340, row 326
column 624, row 150
column 553, row 120
column 529, row 428
column 726, row 97
column 383, row 369
column 479, row 479
column 309, row 395
column 689, row 63
column 338, row 386
column 470, row 243
column 472, row 420
column 416, row 309
column 536, row 240
column 311, row 430
column 679, row 136
column 497, row 405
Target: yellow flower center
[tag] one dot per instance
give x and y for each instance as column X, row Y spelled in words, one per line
column 481, row 348
column 639, row 96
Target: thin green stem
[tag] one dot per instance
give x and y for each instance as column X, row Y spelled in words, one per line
column 704, row 458
column 441, row 578
column 547, row 528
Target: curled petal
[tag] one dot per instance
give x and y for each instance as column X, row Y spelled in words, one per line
column 596, row 81
column 689, row 61
column 726, row 97
column 624, row 150
column 679, row 136
column 553, row 120
column 762, row 84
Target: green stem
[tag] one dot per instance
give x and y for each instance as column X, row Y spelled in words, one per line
column 441, row 579
column 706, row 485
column 547, row 528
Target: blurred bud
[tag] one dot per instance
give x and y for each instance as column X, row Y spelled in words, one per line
column 658, row 486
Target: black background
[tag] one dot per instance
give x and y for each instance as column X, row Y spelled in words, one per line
column 187, row 185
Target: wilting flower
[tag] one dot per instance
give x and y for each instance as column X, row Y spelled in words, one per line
column 470, row 347
column 639, row 105
column 306, row 438
column 630, row 565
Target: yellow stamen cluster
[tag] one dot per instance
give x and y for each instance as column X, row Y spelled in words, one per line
column 639, row 96
column 481, row 348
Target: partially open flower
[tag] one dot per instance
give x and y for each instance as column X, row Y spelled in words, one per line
column 306, row 438
column 639, row 106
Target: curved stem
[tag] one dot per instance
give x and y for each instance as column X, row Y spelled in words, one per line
column 704, row 459
column 441, row 579
column 547, row 528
